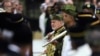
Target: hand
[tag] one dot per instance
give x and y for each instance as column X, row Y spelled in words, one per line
column 55, row 42
column 45, row 51
column 49, row 36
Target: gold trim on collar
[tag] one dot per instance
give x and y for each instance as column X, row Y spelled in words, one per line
column 60, row 29
column 20, row 20
column 85, row 15
column 95, row 23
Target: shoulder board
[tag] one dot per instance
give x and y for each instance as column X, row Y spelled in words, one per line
column 85, row 15
column 20, row 20
column 95, row 23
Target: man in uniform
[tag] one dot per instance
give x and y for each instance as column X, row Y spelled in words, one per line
column 76, row 27
column 55, row 48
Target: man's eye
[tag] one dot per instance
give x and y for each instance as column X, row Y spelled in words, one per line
column 65, row 15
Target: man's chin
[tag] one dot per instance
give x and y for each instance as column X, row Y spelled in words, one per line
column 53, row 29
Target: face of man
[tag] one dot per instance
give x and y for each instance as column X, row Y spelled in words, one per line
column 68, row 20
column 20, row 8
column 15, row 5
column 66, row 17
column 56, row 24
column 98, row 5
column 8, row 6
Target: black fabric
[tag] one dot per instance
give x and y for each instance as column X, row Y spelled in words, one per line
column 95, row 54
column 3, row 46
column 22, row 32
column 60, row 42
column 48, row 28
column 23, row 35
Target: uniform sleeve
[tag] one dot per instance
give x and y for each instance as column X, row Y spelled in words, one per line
column 1, row 18
column 16, row 18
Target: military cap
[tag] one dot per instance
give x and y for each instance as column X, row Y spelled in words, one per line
column 69, row 9
column 88, row 6
column 86, row 18
column 56, row 17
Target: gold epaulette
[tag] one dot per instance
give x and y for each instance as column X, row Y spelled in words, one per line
column 95, row 22
column 61, row 29
column 20, row 20
column 85, row 15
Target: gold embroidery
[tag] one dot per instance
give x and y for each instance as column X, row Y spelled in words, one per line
column 96, row 22
column 51, row 47
column 85, row 15
column 20, row 20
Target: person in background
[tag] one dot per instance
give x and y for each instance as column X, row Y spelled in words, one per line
column 47, row 8
column 88, row 11
column 26, row 45
column 92, row 37
column 6, row 7
column 20, row 32
column 76, row 27
column 48, row 20
column 42, row 20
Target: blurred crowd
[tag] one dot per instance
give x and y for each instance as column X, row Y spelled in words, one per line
column 70, row 32
column 15, row 30
column 67, row 29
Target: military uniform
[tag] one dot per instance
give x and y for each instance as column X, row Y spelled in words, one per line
column 22, row 34
column 55, row 48
column 78, row 31
column 83, row 20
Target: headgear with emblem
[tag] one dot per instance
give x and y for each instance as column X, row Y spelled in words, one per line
column 89, row 6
